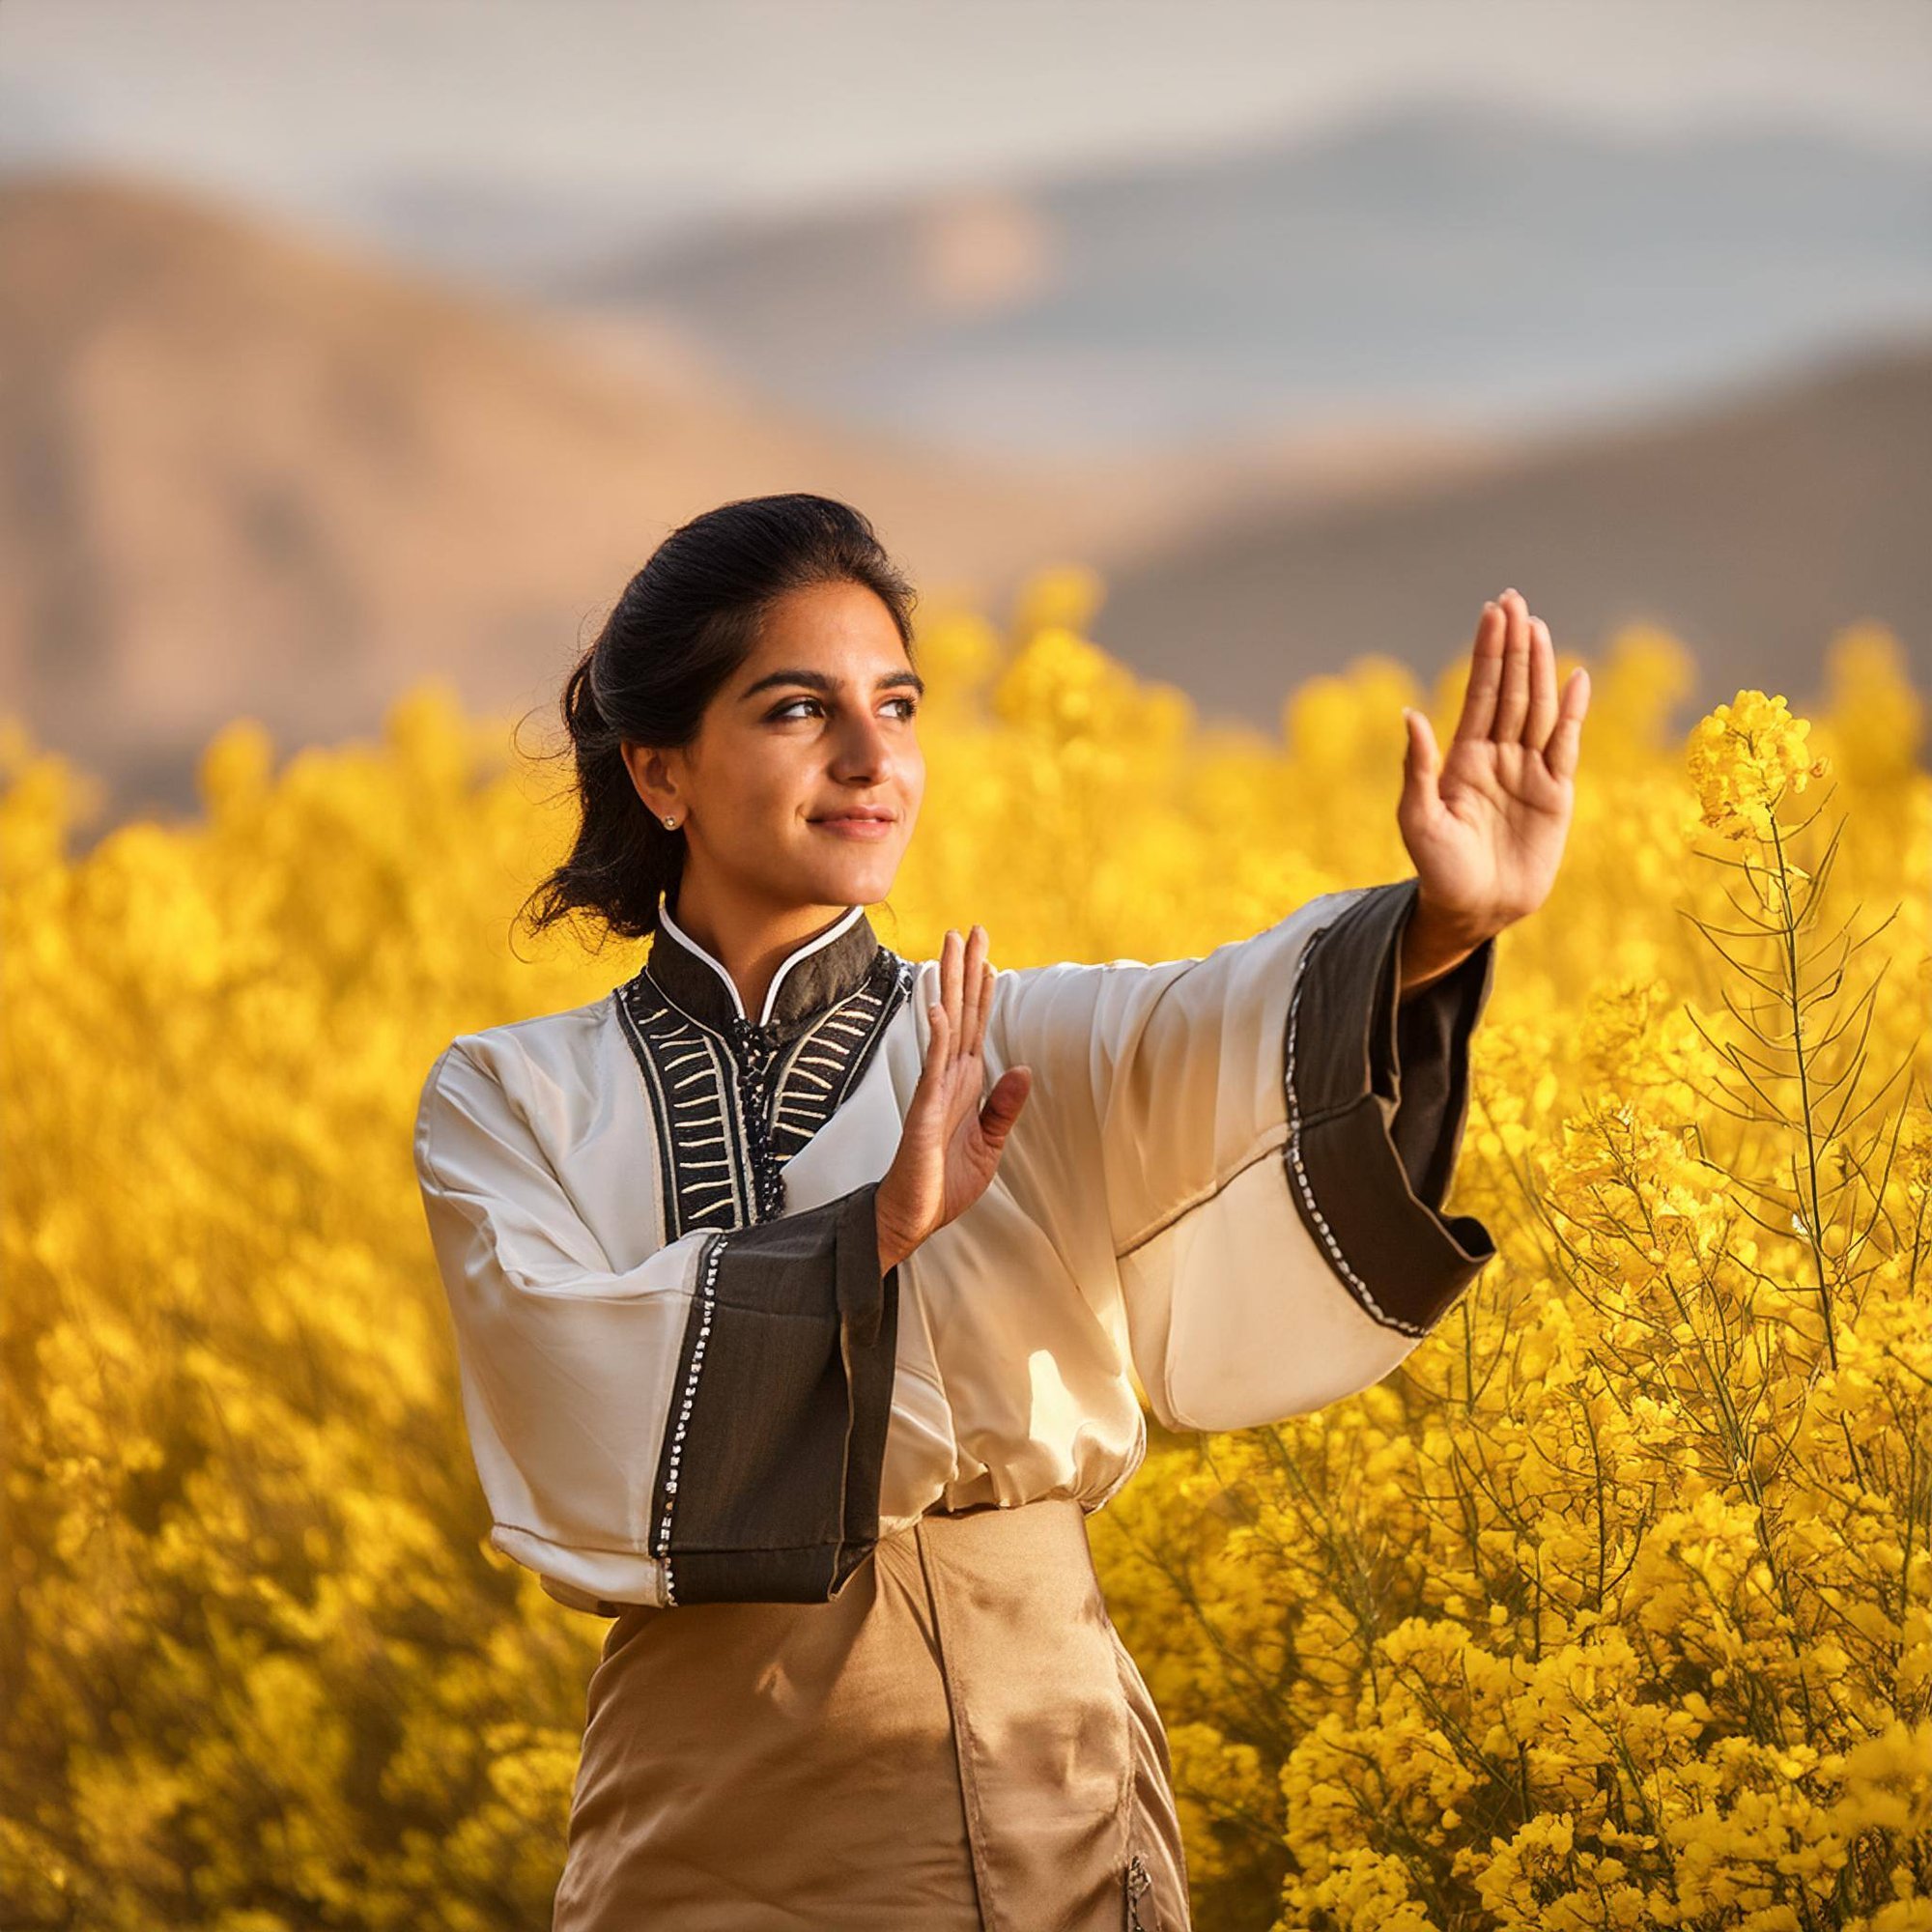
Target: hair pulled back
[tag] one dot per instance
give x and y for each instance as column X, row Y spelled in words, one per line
column 683, row 625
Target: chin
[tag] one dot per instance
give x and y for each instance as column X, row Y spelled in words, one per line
column 864, row 881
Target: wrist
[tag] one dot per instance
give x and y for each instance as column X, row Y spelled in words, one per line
column 1434, row 941
column 891, row 1249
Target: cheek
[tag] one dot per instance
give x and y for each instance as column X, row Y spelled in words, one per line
column 763, row 787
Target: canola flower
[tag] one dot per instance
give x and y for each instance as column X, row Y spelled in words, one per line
column 1612, row 1608
column 1744, row 759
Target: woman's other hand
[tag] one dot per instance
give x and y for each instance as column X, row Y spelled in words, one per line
column 950, row 1141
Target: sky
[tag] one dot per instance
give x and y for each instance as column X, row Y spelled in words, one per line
column 749, row 106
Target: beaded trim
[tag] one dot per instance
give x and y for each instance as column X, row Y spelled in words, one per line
column 709, row 1290
column 1356, row 1284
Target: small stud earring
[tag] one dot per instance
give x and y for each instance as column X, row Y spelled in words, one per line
column 671, row 822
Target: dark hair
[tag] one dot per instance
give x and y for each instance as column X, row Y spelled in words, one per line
column 685, row 623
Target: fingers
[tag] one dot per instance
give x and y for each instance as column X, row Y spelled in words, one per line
column 980, row 985
column 1542, row 685
column 1513, row 700
column 1511, row 691
column 965, row 988
column 1564, row 741
column 1528, row 711
column 938, row 1050
column 1486, row 674
column 952, row 974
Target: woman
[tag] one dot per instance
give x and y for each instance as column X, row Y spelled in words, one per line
column 806, row 1295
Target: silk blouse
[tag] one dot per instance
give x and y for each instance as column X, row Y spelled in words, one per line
column 685, row 1376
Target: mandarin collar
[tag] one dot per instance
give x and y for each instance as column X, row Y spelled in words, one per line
column 816, row 973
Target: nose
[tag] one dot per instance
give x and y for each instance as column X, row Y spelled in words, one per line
column 864, row 754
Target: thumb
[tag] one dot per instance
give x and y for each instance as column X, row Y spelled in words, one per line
column 1002, row 1105
column 1421, row 762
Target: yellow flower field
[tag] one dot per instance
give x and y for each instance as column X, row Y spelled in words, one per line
column 1612, row 1608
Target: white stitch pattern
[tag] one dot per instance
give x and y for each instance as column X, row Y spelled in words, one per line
column 1349, row 1274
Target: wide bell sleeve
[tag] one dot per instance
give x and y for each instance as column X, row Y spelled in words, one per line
column 1260, row 1142
column 708, row 1424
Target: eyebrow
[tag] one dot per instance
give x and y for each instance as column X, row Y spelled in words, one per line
column 819, row 681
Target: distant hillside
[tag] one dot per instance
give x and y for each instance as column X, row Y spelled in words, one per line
column 1426, row 263
column 1753, row 529
column 246, row 470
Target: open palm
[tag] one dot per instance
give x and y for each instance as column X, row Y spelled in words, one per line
column 949, row 1142
column 1486, row 826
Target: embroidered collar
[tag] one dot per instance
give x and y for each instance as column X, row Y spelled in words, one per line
column 735, row 1097
column 813, row 976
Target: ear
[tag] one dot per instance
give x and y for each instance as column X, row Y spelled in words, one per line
column 652, row 779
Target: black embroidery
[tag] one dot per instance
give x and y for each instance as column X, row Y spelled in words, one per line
column 734, row 1107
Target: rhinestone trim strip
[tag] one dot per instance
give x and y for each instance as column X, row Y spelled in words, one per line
column 1357, row 1286
column 709, row 1290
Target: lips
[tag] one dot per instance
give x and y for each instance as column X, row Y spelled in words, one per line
column 866, row 826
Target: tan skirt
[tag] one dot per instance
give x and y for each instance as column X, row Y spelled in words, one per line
column 957, row 1742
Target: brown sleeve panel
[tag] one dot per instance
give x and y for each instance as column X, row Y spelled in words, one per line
column 1378, row 1092
column 768, row 1487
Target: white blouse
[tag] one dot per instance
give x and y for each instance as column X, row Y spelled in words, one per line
column 683, row 1372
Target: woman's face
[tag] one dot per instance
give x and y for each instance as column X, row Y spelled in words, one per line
column 814, row 731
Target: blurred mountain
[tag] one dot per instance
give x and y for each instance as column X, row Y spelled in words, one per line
column 1752, row 527
column 244, row 472
column 1484, row 264
column 249, row 473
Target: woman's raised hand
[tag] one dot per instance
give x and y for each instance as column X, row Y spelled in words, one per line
column 949, row 1142
column 1487, row 823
